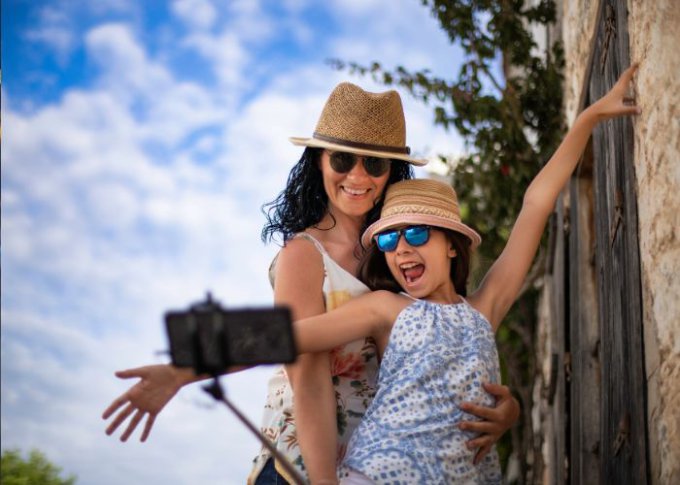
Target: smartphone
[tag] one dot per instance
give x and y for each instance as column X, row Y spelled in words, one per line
column 210, row 338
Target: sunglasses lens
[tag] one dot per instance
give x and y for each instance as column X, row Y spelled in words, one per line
column 417, row 235
column 342, row 162
column 387, row 241
column 376, row 167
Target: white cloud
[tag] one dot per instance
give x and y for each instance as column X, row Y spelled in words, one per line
column 55, row 31
column 396, row 34
column 295, row 6
column 200, row 14
column 226, row 53
column 124, row 63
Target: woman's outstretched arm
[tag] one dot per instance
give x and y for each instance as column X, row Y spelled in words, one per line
column 157, row 386
column 502, row 283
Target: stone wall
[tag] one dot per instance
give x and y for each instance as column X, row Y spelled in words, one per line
column 578, row 25
column 654, row 29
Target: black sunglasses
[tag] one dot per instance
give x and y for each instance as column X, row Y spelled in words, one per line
column 387, row 241
column 343, row 162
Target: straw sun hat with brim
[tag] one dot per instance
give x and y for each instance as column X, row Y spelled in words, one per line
column 356, row 121
column 420, row 202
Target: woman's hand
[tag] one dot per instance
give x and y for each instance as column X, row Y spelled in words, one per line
column 619, row 101
column 496, row 420
column 158, row 384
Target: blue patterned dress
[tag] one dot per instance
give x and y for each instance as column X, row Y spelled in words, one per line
column 437, row 356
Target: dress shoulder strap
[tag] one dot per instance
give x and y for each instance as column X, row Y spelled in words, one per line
column 312, row 239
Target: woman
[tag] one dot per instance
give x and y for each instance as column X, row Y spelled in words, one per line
column 332, row 194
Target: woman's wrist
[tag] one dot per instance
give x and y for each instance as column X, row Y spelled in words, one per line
column 184, row 376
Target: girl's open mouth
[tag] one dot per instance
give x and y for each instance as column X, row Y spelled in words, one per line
column 412, row 271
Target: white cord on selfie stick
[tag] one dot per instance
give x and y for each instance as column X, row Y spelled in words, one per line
column 216, row 391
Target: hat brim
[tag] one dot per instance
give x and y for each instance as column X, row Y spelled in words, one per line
column 313, row 142
column 397, row 220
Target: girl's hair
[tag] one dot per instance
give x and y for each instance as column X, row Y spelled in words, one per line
column 304, row 201
column 375, row 273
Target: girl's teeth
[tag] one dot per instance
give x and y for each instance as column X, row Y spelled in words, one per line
column 355, row 192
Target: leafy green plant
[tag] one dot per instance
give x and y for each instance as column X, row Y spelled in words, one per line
column 33, row 470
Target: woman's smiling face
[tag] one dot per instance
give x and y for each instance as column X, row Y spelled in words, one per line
column 353, row 193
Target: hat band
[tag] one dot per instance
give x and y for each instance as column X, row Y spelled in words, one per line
column 363, row 146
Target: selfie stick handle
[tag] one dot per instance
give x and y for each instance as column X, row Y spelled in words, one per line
column 215, row 390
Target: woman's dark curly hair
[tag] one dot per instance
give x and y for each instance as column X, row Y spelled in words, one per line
column 304, row 201
column 375, row 273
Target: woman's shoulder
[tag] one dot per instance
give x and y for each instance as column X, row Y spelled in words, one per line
column 301, row 248
column 299, row 256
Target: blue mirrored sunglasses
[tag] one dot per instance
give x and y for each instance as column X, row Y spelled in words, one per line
column 415, row 235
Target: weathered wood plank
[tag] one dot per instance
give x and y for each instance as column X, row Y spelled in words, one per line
column 585, row 386
column 623, row 437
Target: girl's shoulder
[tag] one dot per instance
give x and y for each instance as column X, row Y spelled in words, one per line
column 387, row 302
column 482, row 304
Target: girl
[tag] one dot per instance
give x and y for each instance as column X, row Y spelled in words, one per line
column 434, row 343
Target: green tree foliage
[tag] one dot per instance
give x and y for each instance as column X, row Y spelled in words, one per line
column 506, row 102
column 35, row 470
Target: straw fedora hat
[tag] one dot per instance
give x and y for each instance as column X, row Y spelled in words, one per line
column 420, row 201
column 356, row 121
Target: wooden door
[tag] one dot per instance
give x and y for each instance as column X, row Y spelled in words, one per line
column 607, row 388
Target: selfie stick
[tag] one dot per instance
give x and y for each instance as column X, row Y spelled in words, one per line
column 216, row 391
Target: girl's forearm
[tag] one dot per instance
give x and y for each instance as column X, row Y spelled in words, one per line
column 543, row 191
column 548, row 183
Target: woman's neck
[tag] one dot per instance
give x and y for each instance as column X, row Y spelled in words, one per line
column 339, row 234
column 341, row 228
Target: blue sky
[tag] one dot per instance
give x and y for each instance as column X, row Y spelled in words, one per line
column 140, row 140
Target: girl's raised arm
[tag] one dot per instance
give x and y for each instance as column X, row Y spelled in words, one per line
column 502, row 283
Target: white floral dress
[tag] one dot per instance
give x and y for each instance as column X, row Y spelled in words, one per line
column 354, row 372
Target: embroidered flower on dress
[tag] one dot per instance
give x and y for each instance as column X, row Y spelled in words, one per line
column 347, row 364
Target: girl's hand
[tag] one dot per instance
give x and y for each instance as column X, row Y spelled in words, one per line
column 158, row 384
column 496, row 420
column 619, row 101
